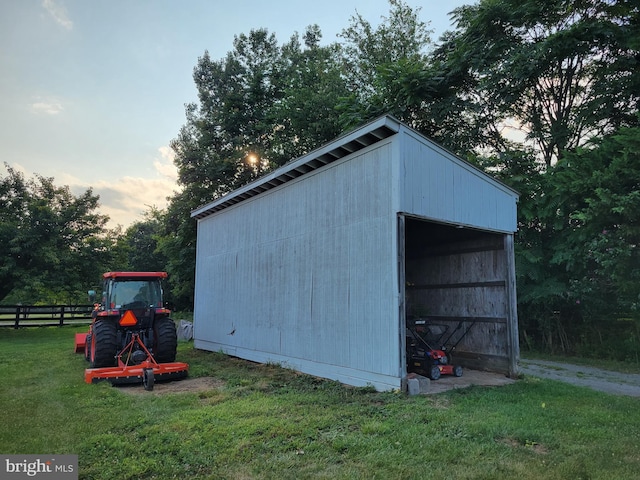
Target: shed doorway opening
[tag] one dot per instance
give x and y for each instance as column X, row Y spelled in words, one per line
column 458, row 296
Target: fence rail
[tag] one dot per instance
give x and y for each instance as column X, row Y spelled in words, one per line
column 17, row 316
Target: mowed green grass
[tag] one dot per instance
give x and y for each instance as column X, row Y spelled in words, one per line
column 267, row 422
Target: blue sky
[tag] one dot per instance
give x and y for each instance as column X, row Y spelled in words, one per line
column 93, row 92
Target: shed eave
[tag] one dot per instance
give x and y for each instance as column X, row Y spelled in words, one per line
column 347, row 144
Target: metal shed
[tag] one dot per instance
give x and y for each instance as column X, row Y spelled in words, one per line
column 318, row 264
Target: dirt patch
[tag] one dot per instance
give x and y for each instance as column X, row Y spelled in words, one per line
column 533, row 446
column 188, row 385
column 204, row 384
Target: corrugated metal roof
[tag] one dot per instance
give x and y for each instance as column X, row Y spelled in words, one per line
column 349, row 143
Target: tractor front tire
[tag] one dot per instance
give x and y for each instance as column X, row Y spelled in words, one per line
column 104, row 344
column 165, row 340
column 87, row 348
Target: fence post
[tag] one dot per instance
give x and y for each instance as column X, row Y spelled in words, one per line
column 17, row 324
column 62, row 315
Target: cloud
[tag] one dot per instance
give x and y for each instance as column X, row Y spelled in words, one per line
column 59, row 13
column 164, row 165
column 16, row 167
column 52, row 107
column 126, row 199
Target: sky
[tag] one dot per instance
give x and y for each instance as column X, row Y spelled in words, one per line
column 93, row 92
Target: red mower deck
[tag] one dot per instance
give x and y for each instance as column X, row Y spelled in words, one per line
column 147, row 372
column 136, row 373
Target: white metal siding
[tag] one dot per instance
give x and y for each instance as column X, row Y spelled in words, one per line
column 306, row 274
column 437, row 185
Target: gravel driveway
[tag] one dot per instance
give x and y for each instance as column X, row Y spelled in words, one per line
column 602, row 380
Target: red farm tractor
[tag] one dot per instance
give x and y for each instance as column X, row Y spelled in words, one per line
column 131, row 339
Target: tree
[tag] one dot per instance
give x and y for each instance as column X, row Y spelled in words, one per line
column 223, row 132
column 54, row 243
column 598, row 196
column 140, row 243
column 577, row 245
column 401, row 35
column 312, row 85
column 259, row 107
column 177, row 243
column 387, row 68
column 545, row 66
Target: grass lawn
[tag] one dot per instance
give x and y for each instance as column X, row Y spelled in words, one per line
column 267, row 422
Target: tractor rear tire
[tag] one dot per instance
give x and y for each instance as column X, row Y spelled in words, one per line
column 104, row 344
column 165, row 340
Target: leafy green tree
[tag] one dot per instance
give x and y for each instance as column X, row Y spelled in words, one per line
column 541, row 285
column 387, row 68
column 177, row 242
column 215, row 145
column 53, row 243
column 597, row 191
column 401, row 35
column 563, row 73
column 140, row 243
column 544, row 66
column 577, row 257
column 393, row 69
column 259, row 107
column 312, row 85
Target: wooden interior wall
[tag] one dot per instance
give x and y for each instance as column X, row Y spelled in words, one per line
column 461, row 275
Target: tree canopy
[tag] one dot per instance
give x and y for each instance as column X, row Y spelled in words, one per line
column 259, row 107
column 54, row 243
column 545, row 68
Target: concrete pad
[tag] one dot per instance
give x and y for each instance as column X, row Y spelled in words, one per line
column 469, row 377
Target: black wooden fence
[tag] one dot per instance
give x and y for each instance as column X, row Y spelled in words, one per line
column 17, row 316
